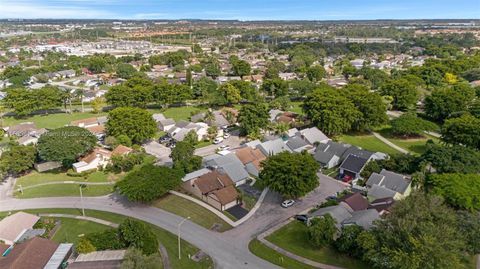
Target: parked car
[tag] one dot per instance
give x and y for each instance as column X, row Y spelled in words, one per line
column 226, row 135
column 171, row 144
column 164, row 139
column 347, row 178
column 287, row 203
column 218, row 140
column 332, row 198
column 223, row 147
column 302, row 218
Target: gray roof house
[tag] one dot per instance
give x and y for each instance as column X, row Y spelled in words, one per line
column 331, row 153
column 229, row 164
column 158, row 117
column 363, row 218
column 297, row 144
column 353, row 165
column 388, row 184
column 273, row 147
column 344, row 216
column 165, row 124
column 219, row 120
column 313, row 135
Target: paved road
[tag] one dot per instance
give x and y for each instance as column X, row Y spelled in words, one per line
column 228, row 249
column 233, row 142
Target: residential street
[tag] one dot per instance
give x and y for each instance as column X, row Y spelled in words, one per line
column 233, row 141
column 228, row 249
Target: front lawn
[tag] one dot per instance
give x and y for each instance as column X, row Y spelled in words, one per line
column 179, row 113
column 293, row 237
column 414, row 145
column 368, row 142
column 268, row 254
column 71, row 230
column 51, row 121
column 185, row 208
column 168, row 239
column 58, row 190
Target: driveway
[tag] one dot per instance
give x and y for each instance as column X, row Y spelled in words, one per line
column 158, row 150
column 233, row 141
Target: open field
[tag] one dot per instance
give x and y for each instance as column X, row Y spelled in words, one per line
column 367, row 142
column 183, row 207
column 51, row 121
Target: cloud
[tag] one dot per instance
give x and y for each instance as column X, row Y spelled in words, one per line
column 29, row 9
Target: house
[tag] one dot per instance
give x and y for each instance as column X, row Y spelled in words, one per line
column 313, row 136
column 35, row 253
column 98, row 157
column 337, row 82
column 274, row 113
column 32, row 137
column 89, row 122
column 229, row 164
column 182, row 128
column 47, row 166
column 287, row 117
column 355, row 201
column 297, row 144
column 108, row 259
column 14, row 226
column 158, row 117
column 121, row 150
column 388, row 184
column 353, row 165
column 273, row 147
column 165, row 124
column 65, row 73
column 21, row 129
column 344, row 215
column 214, row 187
column 287, row 76
column 330, row 154
column 251, row 158
column 219, row 120
column 382, row 205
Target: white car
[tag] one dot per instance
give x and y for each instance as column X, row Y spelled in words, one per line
column 218, row 140
column 287, row 203
column 223, row 147
column 226, row 135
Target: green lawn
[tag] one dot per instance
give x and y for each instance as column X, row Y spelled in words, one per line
column 168, row 239
column 268, row 254
column 367, row 142
column 414, row 145
column 62, row 189
column 51, row 121
column 293, row 237
column 179, row 113
column 296, row 107
column 183, row 207
column 71, row 230
column 202, row 144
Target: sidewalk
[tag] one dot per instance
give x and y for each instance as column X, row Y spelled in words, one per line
column 390, row 144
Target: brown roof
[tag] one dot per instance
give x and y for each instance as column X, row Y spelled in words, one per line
column 356, row 201
column 33, row 253
column 22, row 129
column 86, row 121
column 121, row 150
column 249, row 155
column 226, row 195
column 92, row 155
column 98, row 129
column 213, row 181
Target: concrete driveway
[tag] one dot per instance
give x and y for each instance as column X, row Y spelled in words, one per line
column 233, row 141
column 158, row 150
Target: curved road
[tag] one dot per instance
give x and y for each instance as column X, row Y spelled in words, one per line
column 228, row 249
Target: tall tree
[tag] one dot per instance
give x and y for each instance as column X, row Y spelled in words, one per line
column 444, row 102
column 17, row 159
column 136, row 123
column 253, row 118
column 322, row 231
column 370, row 105
column 403, row 92
column 464, row 130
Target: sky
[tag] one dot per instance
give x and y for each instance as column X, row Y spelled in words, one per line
column 242, row 9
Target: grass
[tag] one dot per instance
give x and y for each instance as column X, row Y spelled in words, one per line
column 168, row 239
column 296, row 107
column 368, row 142
column 62, row 189
column 293, row 237
column 71, row 230
column 268, row 254
column 414, row 145
column 51, row 121
column 185, row 208
column 179, row 113
column 202, row 144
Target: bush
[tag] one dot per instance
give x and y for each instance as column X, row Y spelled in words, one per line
column 85, row 246
column 137, row 234
column 108, row 239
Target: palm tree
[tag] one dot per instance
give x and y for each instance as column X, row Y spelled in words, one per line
column 209, row 116
column 80, row 93
column 281, row 128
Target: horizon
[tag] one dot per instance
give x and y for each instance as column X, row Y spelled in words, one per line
column 247, row 10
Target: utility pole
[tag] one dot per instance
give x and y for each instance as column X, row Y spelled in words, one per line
column 81, row 199
column 178, row 234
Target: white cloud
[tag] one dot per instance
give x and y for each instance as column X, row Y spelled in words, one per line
column 29, row 9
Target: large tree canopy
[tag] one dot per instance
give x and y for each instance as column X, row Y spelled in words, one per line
column 330, row 110
column 253, row 118
column 409, row 124
column 459, row 190
column 136, row 123
column 17, row 159
column 291, row 174
column 464, row 130
column 65, row 144
column 403, row 92
column 370, row 105
column 444, row 102
column 149, row 182
column 452, row 159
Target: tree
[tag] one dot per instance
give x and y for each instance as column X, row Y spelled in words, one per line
column 246, row 89
column 463, row 130
column 24, row 101
column 122, row 96
column 459, row 190
column 230, row 93
column 330, row 111
column 97, row 104
column 452, row 159
column 316, row 73
column 65, row 144
column 138, row 235
column 135, row 259
column 125, row 70
column 322, row 231
column 469, row 226
column 404, row 93
column 84, row 246
column 183, row 157
column 253, row 118
column 420, row 232
column 275, row 87
column 212, row 70
column 240, row 67
column 370, row 105
column 409, row 124
column 96, row 64
column 442, row 103
column 136, row 123
column 348, row 240
column 291, row 174
column 17, row 159
column 148, row 182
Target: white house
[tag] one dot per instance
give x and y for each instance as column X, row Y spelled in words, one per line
column 98, row 157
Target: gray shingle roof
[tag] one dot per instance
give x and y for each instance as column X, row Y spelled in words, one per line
column 338, row 212
column 273, row 147
column 296, row 143
column 354, row 163
column 389, row 180
column 325, row 152
column 363, row 218
column 230, row 164
column 378, row 192
column 313, row 135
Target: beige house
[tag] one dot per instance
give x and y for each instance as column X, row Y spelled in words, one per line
column 98, row 157
column 14, row 226
column 213, row 187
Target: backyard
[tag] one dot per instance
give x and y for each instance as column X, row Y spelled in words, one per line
column 185, row 208
column 367, row 142
column 69, row 189
column 414, row 145
column 293, row 237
